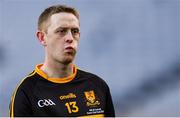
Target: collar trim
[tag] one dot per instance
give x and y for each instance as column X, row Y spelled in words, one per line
column 56, row 80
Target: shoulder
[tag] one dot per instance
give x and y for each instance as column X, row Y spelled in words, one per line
column 95, row 79
column 28, row 82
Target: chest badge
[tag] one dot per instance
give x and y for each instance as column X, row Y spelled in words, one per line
column 91, row 99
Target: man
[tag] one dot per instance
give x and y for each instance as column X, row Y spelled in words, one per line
column 57, row 87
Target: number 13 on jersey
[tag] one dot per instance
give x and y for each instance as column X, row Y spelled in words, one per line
column 72, row 107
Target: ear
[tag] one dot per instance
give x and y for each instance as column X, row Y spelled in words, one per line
column 41, row 37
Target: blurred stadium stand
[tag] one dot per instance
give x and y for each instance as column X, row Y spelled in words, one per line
column 134, row 45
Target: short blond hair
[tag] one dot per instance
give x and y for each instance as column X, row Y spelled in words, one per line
column 48, row 12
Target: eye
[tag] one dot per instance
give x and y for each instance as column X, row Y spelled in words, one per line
column 75, row 31
column 62, row 31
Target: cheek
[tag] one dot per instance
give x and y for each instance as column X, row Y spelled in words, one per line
column 76, row 44
column 55, row 46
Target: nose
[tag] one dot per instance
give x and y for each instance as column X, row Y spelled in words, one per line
column 69, row 37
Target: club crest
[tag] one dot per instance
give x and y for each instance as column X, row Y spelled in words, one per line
column 91, row 99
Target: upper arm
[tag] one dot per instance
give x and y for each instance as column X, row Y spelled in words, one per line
column 109, row 111
column 20, row 104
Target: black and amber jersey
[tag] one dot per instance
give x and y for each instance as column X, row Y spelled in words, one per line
column 80, row 94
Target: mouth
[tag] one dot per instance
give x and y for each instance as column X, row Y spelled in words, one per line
column 69, row 50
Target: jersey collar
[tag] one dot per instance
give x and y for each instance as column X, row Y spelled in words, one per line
column 56, row 80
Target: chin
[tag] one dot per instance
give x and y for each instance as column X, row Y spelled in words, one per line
column 68, row 60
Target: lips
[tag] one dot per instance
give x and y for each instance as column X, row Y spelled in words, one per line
column 69, row 49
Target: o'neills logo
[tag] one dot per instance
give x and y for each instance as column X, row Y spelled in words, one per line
column 91, row 98
column 69, row 96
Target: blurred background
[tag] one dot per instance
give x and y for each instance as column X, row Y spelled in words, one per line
column 134, row 45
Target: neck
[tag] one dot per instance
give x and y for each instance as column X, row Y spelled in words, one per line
column 54, row 70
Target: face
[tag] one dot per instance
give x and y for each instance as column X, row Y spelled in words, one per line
column 62, row 37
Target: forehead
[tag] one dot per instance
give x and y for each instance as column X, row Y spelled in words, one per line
column 63, row 20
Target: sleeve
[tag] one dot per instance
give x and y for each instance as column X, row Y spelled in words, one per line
column 20, row 104
column 109, row 111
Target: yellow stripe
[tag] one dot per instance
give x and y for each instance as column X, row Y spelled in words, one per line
column 96, row 115
column 11, row 110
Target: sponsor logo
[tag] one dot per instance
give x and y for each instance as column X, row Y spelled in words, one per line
column 45, row 102
column 68, row 96
column 91, row 98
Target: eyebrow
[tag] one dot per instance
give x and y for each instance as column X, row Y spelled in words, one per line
column 61, row 27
